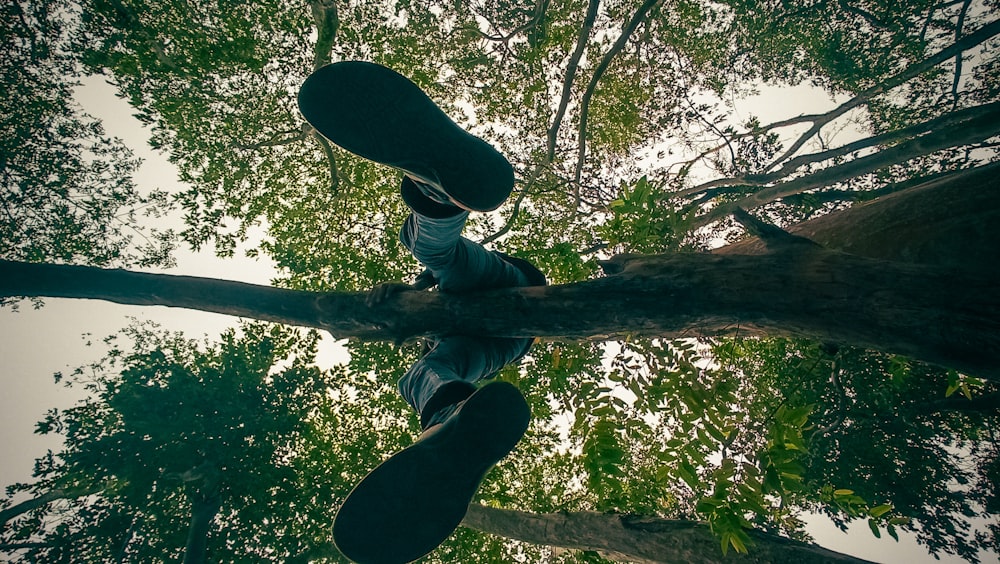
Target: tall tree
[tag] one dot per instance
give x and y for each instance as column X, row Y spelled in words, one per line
column 177, row 439
column 616, row 118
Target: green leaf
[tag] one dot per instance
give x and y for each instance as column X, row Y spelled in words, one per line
column 879, row 510
column 874, row 527
column 689, row 475
column 738, row 544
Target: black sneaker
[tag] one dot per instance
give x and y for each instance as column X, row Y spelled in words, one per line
column 413, row 501
column 377, row 113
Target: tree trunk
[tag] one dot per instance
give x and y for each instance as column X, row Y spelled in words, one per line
column 951, row 221
column 203, row 511
column 936, row 314
column 642, row 540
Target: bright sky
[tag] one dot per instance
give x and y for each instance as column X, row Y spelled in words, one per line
column 36, row 344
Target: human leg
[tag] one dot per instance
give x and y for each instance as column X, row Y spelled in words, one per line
column 447, row 374
column 413, row 501
column 458, row 264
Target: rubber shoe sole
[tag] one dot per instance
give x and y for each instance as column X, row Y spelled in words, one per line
column 413, row 501
column 377, row 113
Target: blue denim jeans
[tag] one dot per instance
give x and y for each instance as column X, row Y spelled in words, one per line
column 459, row 265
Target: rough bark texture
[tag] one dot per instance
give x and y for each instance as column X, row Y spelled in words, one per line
column 951, row 221
column 642, row 540
column 935, row 300
column 915, row 310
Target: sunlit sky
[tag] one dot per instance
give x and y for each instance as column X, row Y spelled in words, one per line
column 34, row 344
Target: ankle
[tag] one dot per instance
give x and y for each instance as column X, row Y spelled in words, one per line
column 421, row 203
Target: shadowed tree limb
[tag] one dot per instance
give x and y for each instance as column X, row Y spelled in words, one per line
column 967, row 42
column 773, row 236
column 980, row 124
column 44, row 499
column 819, row 120
column 645, row 540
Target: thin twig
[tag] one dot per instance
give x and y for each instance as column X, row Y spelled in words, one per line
column 958, row 58
column 571, row 68
column 629, row 28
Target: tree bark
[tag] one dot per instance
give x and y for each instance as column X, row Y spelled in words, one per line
column 642, row 540
column 203, row 511
column 921, row 282
column 940, row 315
column 951, row 221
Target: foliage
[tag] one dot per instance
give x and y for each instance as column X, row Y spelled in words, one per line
column 174, row 424
column 623, row 139
column 66, row 188
column 852, row 427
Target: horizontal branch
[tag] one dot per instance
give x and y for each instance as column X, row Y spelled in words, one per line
column 906, row 309
column 638, row 539
column 41, row 500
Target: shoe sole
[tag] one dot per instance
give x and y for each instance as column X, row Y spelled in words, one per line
column 413, row 501
column 377, row 113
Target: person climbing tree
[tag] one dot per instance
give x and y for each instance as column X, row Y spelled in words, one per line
column 414, row 500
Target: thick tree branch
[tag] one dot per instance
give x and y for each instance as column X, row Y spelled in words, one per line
column 646, row 540
column 819, row 294
column 203, row 512
column 36, row 502
column 327, row 22
column 921, row 282
column 773, row 236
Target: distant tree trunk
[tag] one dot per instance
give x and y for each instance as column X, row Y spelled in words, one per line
column 642, row 540
column 203, row 512
column 945, row 312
